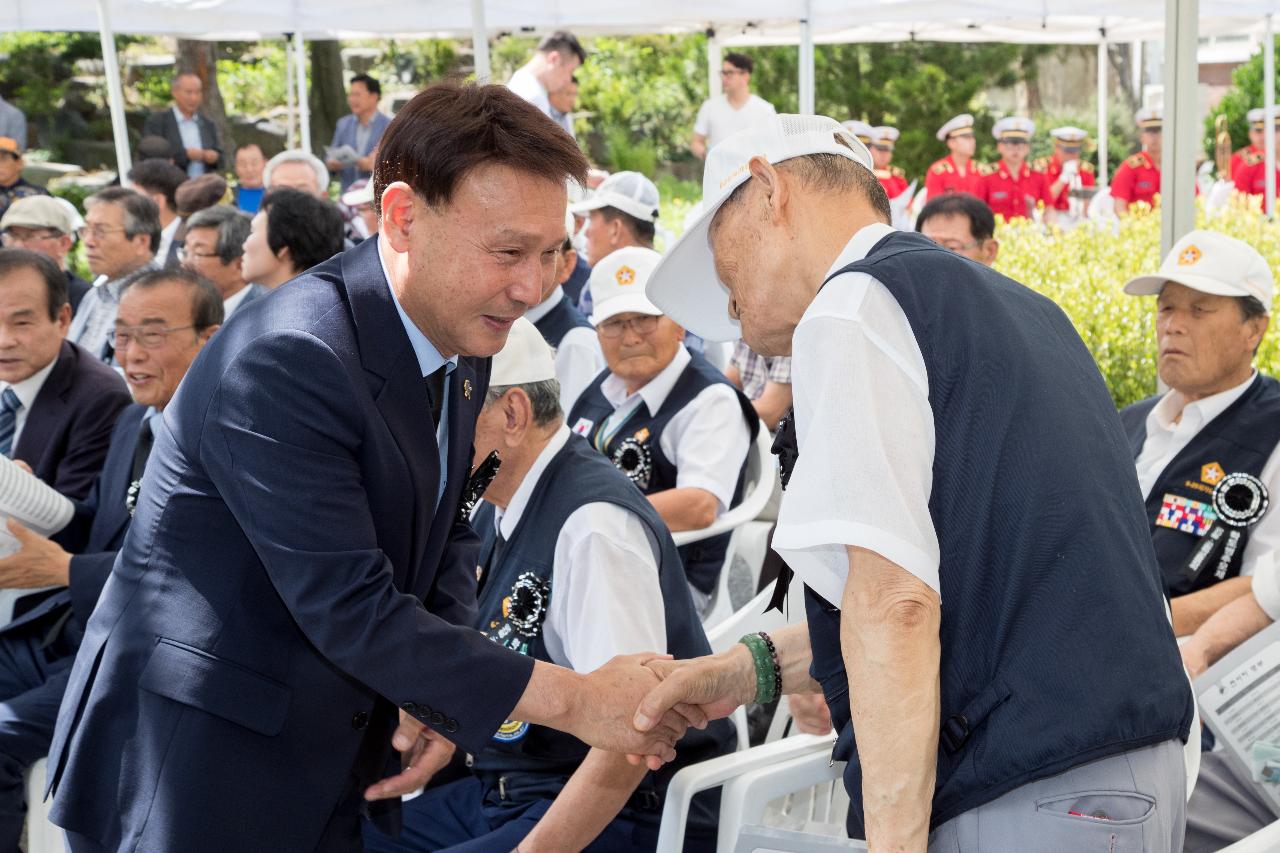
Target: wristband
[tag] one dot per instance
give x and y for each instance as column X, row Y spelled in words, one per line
column 768, row 674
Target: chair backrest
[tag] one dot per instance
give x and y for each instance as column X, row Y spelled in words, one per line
column 747, row 620
column 756, row 494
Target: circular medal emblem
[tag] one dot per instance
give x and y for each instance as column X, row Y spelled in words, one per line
column 527, row 605
column 632, row 458
column 1240, row 499
column 511, row 730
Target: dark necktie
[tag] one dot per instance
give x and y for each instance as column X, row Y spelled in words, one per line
column 9, row 406
column 435, row 393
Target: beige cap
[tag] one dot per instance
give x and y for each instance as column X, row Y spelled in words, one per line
column 1211, row 263
column 40, row 211
column 526, row 358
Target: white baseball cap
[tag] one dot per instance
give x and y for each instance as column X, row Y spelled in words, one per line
column 630, row 192
column 525, row 358
column 361, row 192
column 1211, row 263
column 685, row 285
column 618, row 283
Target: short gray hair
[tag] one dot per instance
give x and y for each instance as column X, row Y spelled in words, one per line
column 232, row 226
column 544, row 399
column 141, row 214
column 297, row 155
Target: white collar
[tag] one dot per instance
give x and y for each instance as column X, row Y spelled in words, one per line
column 507, row 520
column 544, row 307
column 177, row 113
column 1166, row 413
column 28, row 388
column 233, row 301
column 859, row 244
column 167, row 232
column 655, row 391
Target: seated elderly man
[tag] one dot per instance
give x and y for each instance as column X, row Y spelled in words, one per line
column 164, row 320
column 297, row 170
column 570, row 334
column 290, row 234
column 214, row 249
column 1206, row 449
column 663, row 415
column 575, row 567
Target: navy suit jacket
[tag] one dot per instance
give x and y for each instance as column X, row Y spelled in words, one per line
column 69, row 426
column 255, row 290
column 287, row 582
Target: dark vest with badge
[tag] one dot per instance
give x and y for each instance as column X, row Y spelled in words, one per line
column 1055, row 646
column 557, row 322
column 1209, row 496
column 635, row 449
column 528, row 762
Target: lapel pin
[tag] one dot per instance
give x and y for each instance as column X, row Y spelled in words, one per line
column 466, row 388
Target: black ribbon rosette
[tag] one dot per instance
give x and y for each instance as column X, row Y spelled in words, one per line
column 1239, row 501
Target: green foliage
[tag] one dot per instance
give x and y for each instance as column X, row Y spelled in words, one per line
column 914, row 86
column 1083, row 270
column 252, row 77
column 626, row 154
column 1245, row 94
column 36, row 71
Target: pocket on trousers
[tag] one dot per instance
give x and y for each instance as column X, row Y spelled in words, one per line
column 1123, row 830
column 1115, row 808
column 220, row 687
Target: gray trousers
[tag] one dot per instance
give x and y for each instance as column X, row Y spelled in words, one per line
column 1225, row 806
column 1141, row 794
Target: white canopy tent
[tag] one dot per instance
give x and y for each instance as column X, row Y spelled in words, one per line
column 804, row 22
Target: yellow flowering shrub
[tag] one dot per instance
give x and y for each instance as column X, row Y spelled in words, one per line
column 1084, row 270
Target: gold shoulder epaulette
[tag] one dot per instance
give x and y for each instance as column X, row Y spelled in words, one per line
column 941, row 167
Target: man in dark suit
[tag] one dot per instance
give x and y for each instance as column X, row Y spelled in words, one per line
column 165, row 319
column 299, row 569
column 57, row 404
column 193, row 138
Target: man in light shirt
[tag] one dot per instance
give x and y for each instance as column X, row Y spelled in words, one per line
column 192, row 137
column 734, row 110
column 550, row 69
column 575, row 567
column 1211, row 439
column 121, row 234
column 664, row 415
column 962, row 509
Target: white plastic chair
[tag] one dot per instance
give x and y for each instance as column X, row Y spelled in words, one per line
column 709, row 774
column 42, row 835
column 1265, row 840
column 770, row 839
column 811, row 788
column 756, row 494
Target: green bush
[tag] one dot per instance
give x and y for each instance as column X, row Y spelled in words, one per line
column 1245, row 94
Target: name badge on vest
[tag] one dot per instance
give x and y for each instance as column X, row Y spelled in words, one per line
column 1239, row 500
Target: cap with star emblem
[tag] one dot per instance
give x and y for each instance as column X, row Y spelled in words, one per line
column 1211, row 263
column 617, row 283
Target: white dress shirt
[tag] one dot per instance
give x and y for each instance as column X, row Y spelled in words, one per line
column 27, row 391
column 707, row 440
column 189, row 130
column 579, row 359
column 1167, row 436
column 605, row 596
column 866, row 434
column 166, row 239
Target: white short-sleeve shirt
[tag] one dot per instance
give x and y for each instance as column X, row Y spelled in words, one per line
column 717, row 119
column 865, row 431
column 1171, row 424
column 707, row 440
column 606, row 598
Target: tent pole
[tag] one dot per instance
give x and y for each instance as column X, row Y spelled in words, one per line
column 304, row 108
column 115, row 95
column 480, row 42
column 1269, row 93
column 806, row 71
column 291, row 135
column 1103, row 122
column 1181, row 136
column 714, row 62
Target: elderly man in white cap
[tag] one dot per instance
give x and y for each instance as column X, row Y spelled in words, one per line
column 565, row 329
column 46, row 225
column 1065, row 168
column 958, row 172
column 1249, row 164
column 1211, row 438
column 1011, row 188
column 962, row 508
column 575, row 566
column 664, row 415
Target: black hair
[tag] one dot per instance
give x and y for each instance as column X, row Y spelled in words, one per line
column 232, row 226
column 141, row 214
column 159, row 176
column 206, row 302
column 982, row 222
column 309, row 227
column 55, row 282
column 641, row 230
column 370, row 83
column 741, row 61
column 563, row 42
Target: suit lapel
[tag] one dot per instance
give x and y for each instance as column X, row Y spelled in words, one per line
column 117, row 476
column 48, row 408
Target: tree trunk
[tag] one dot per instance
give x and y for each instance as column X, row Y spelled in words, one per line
column 200, row 58
column 326, row 93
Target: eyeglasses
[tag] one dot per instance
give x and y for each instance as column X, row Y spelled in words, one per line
column 643, row 324
column 147, row 337
column 18, row 236
column 184, row 253
column 958, row 247
column 97, row 232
